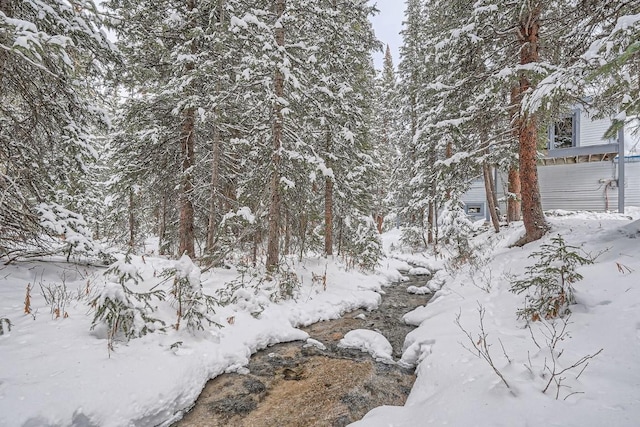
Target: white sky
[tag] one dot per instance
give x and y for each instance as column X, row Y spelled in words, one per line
column 387, row 25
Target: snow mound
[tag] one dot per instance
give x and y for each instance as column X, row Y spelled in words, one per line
column 416, row 350
column 419, row 290
column 419, row 271
column 400, row 265
column 370, row 342
column 416, row 316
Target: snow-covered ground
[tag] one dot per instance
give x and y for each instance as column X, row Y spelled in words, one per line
column 56, row 371
column 455, row 387
column 59, row 372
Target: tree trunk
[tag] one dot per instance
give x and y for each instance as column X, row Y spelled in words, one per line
column 328, row 216
column 254, row 250
column 132, row 219
column 340, row 234
column 513, row 188
column 216, row 146
column 273, row 254
column 186, row 206
column 187, row 137
column 328, row 204
column 287, row 232
column 162, row 229
column 494, row 193
column 7, row 8
column 379, row 223
column 430, row 223
column 214, row 188
column 431, row 210
column 448, row 154
column 513, row 199
column 532, row 214
column 490, row 192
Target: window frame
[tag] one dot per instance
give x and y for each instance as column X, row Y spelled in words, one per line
column 479, row 205
column 575, row 131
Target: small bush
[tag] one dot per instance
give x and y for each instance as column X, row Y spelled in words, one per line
column 456, row 232
column 127, row 314
column 5, row 325
column 192, row 305
column 57, row 297
column 364, row 247
column 549, row 282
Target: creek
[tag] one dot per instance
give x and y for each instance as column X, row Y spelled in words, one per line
column 295, row 384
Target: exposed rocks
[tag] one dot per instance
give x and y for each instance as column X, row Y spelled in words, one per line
column 294, row 384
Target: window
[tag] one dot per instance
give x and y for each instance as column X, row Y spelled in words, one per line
column 563, row 132
column 475, row 210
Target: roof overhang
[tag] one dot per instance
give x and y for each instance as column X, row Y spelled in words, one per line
column 590, row 153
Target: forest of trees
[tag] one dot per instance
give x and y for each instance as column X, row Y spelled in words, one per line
column 258, row 129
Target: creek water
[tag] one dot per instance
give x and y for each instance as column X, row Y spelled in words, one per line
column 294, row 384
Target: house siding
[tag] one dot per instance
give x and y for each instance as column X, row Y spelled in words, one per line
column 591, row 131
column 632, row 182
column 580, row 186
column 567, row 183
column 476, row 196
column 572, row 187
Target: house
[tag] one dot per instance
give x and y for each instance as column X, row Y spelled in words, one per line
column 580, row 170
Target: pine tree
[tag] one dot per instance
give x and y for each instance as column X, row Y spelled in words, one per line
column 414, row 179
column 599, row 63
column 52, row 55
column 273, row 243
column 528, row 25
column 386, row 122
column 549, row 283
column 173, row 110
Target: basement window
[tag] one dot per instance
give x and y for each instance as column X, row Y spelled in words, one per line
column 474, row 209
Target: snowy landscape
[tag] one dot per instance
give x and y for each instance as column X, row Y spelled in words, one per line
column 186, row 183
column 56, row 371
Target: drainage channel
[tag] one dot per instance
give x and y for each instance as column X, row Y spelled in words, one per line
column 294, row 384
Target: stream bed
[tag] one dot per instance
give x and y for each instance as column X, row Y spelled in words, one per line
column 296, row 384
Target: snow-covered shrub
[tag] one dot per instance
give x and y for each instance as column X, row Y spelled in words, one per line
column 249, row 277
column 126, row 314
column 413, row 237
column 288, row 285
column 233, row 229
column 245, row 291
column 548, row 283
column 57, row 297
column 191, row 304
column 69, row 230
column 456, row 230
column 549, row 367
column 363, row 247
column 281, row 284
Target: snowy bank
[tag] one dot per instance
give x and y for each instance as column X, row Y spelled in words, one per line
column 56, row 371
column 456, row 387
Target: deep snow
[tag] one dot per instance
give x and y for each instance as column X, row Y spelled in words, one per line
column 58, row 372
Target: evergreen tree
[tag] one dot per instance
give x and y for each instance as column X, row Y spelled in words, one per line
column 173, row 109
column 413, row 177
column 52, row 57
column 599, row 65
column 386, row 132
